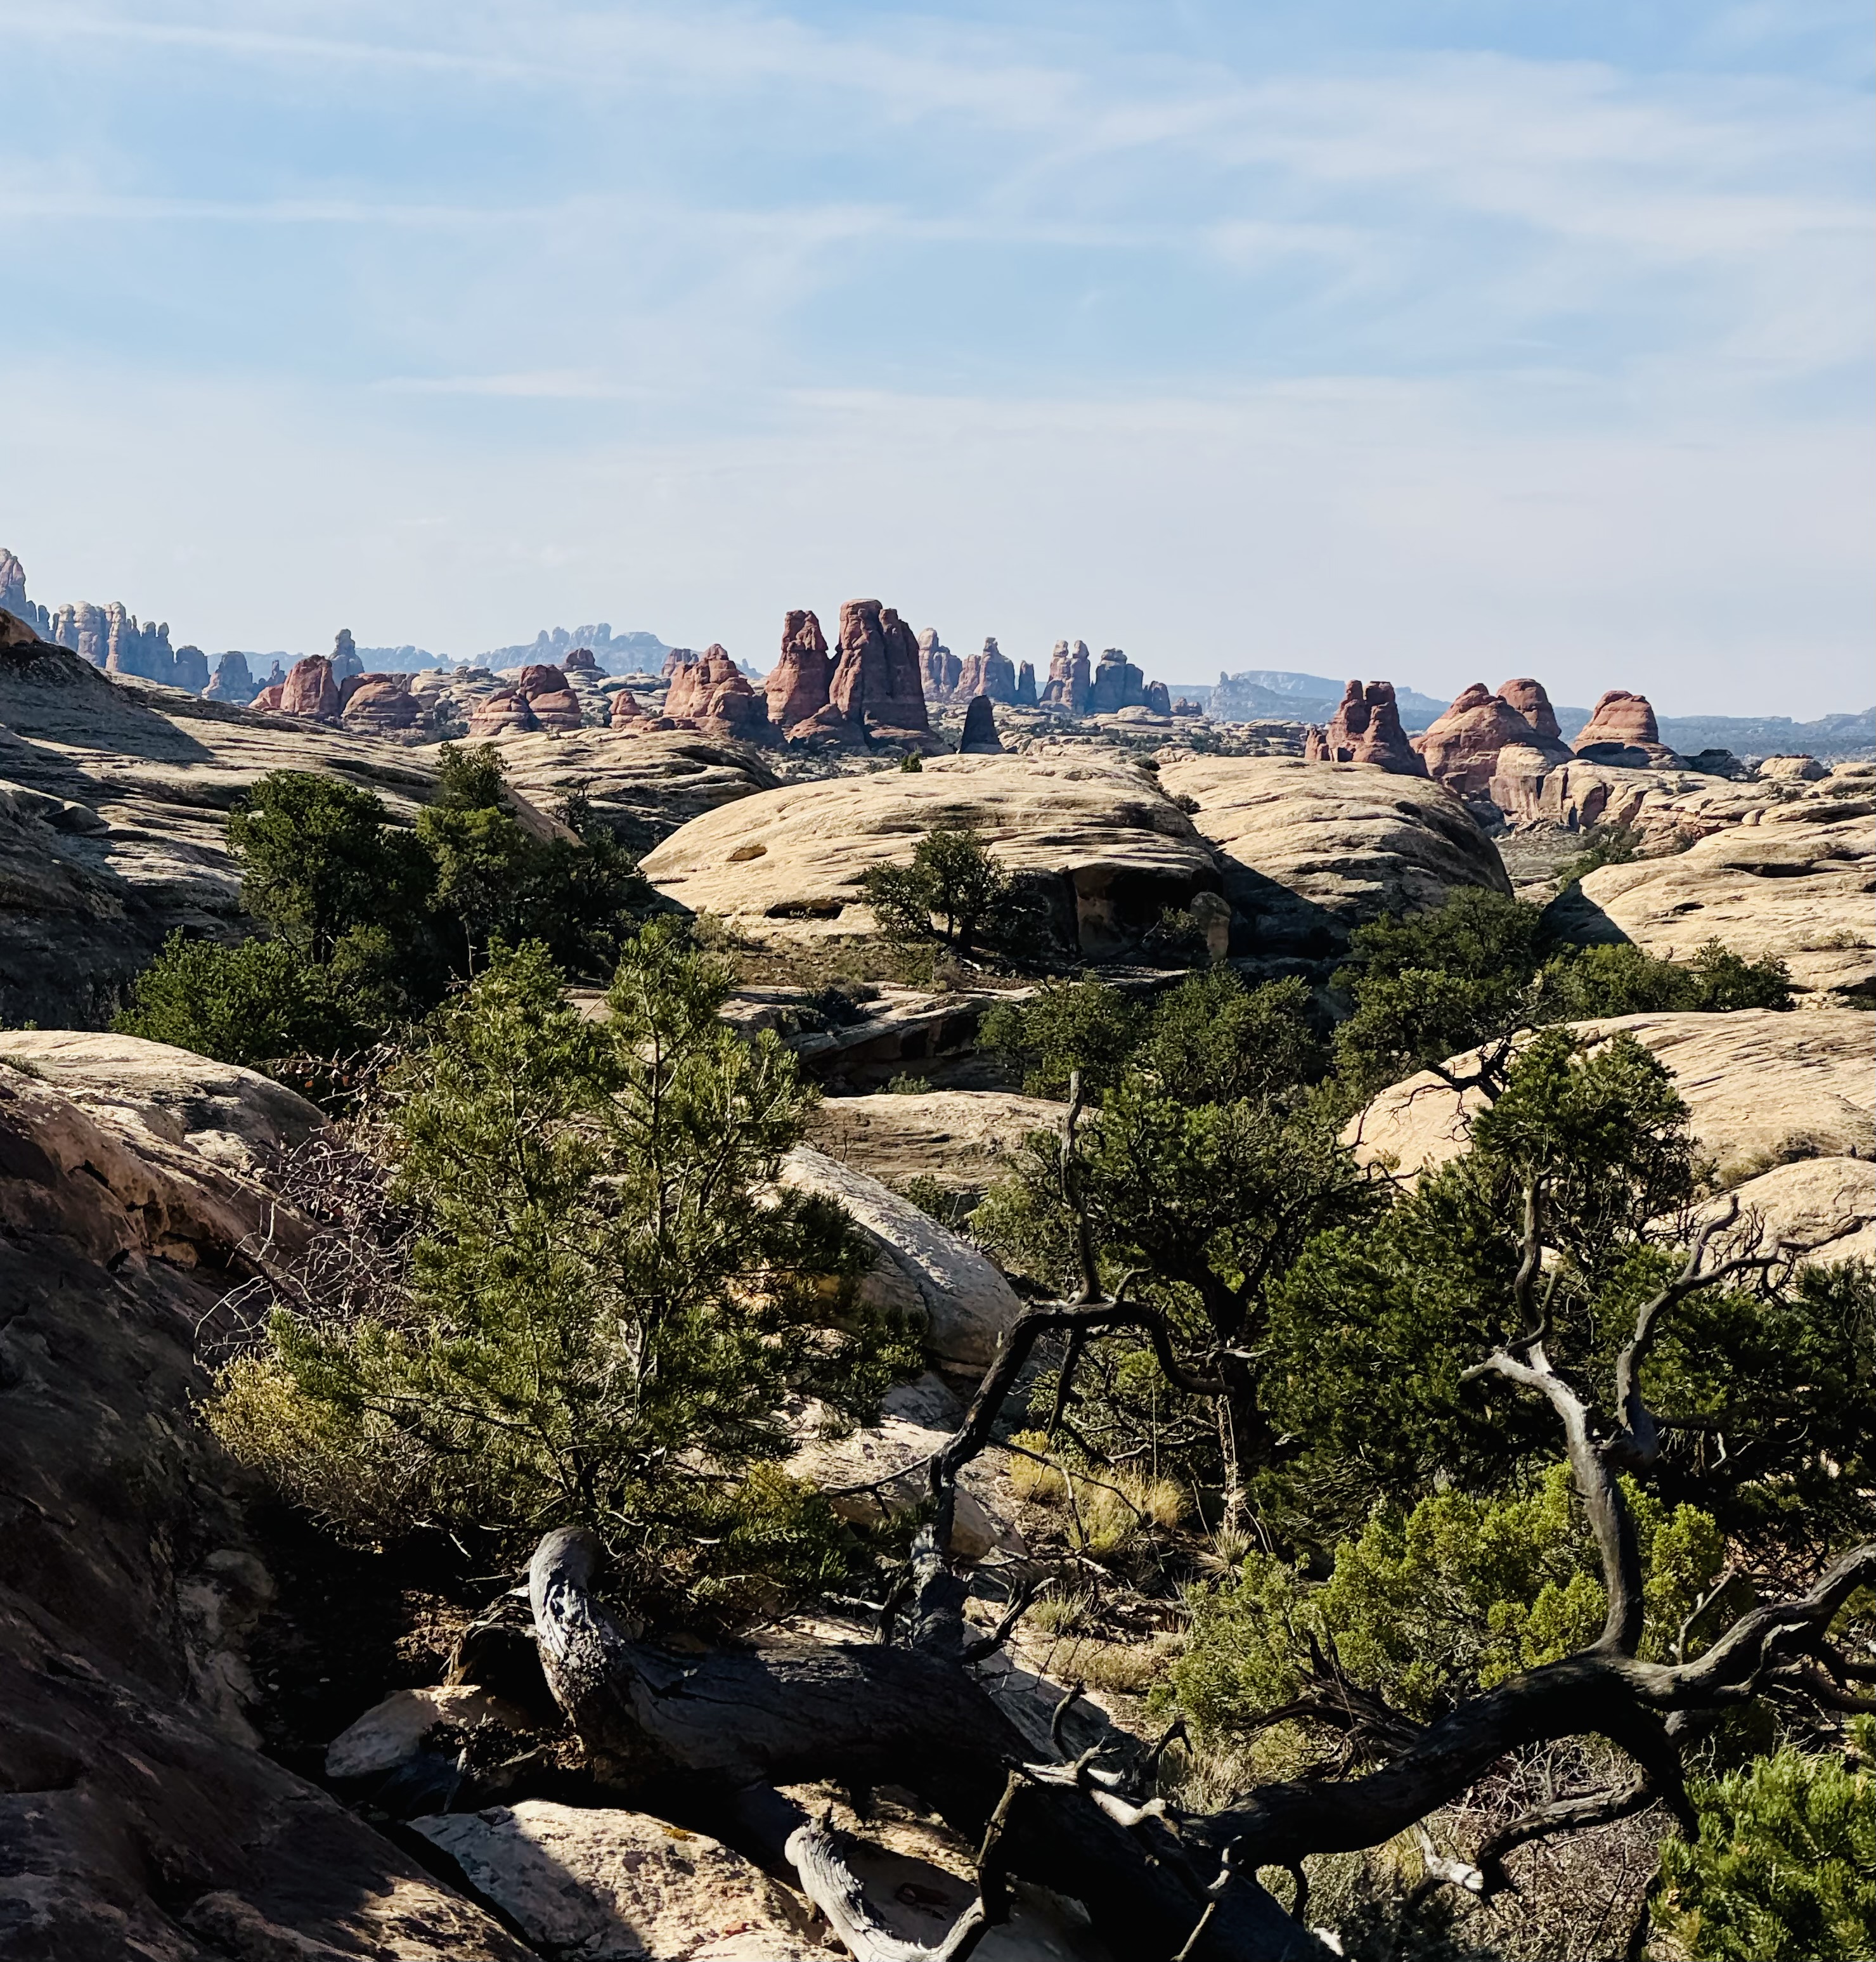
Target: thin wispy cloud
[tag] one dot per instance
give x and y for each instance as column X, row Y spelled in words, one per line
column 622, row 251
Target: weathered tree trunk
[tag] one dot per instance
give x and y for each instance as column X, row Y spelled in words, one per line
column 780, row 1713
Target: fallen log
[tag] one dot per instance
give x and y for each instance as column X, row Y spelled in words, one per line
column 715, row 1724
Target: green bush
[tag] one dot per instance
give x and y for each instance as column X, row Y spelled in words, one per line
column 1784, row 1867
column 1604, row 844
column 953, row 890
column 371, row 924
column 254, row 1004
column 607, row 1301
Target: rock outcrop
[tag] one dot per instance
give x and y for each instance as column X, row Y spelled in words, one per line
column 311, row 691
column 643, row 787
column 1310, row 850
column 1763, row 1089
column 712, row 695
column 797, row 686
column 1102, row 851
column 138, row 1815
column 232, row 681
column 1796, row 885
column 345, row 658
column 381, row 705
column 114, row 795
column 620, row 1886
column 919, row 1269
column 1621, row 729
column 509, row 713
column 1117, row 684
column 1528, row 698
column 980, row 737
column 990, row 673
column 1026, row 686
column 1365, row 728
column 1461, row 748
column 938, row 666
column 877, row 684
column 964, row 1139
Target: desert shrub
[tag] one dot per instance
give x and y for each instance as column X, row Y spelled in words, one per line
column 1623, row 979
column 954, row 891
column 1085, row 1025
column 606, row 1302
column 1428, row 1606
column 1784, row 1867
column 912, row 763
column 370, row 925
column 1209, row 1039
column 251, row 1004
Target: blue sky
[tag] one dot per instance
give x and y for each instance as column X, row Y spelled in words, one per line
column 1441, row 342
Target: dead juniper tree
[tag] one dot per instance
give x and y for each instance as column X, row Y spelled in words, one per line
column 718, row 1732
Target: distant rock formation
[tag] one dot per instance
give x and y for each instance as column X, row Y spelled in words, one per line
column 617, row 653
column 14, row 599
column 1026, row 686
column 1081, row 685
column 1118, row 684
column 1365, row 728
column 1622, row 730
column 991, row 672
column 627, row 712
column 938, row 666
column 507, row 713
column 1461, row 748
column 712, row 695
column 1183, row 707
column 1619, row 717
column 980, row 738
column 311, row 691
column 233, row 681
column 345, row 661
column 797, row 686
column 379, row 704
column 579, row 659
column 1158, row 698
column 1529, row 698
column 877, row 684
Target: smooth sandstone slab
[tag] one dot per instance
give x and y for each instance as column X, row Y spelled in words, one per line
column 788, row 863
column 1763, row 1088
column 963, row 1138
column 1828, row 1203
column 919, row 1268
column 605, row 1885
column 1311, row 850
column 1796, row 885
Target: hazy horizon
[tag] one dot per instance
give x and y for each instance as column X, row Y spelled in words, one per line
column 1443, row 349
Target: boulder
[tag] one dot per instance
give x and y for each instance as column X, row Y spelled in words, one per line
column 919, row 1269
column 1792, row 770
column 1796, row 885
column 138, row 1815
column 980, row 737
column 797, row 686
column 1365, row 728
column 600, row 1884
column 1310, row 850
column 391, row 1734
column 508, row 714
column 1100, row 845
column 877, row 683
column 1619, row 717
column 1461, row 748
column 381, row 705
column 884, row 1471
column 961, row 1139
column 1827, row 1203
column 1763, row 1089
column 627, row 712
column 311, row 690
